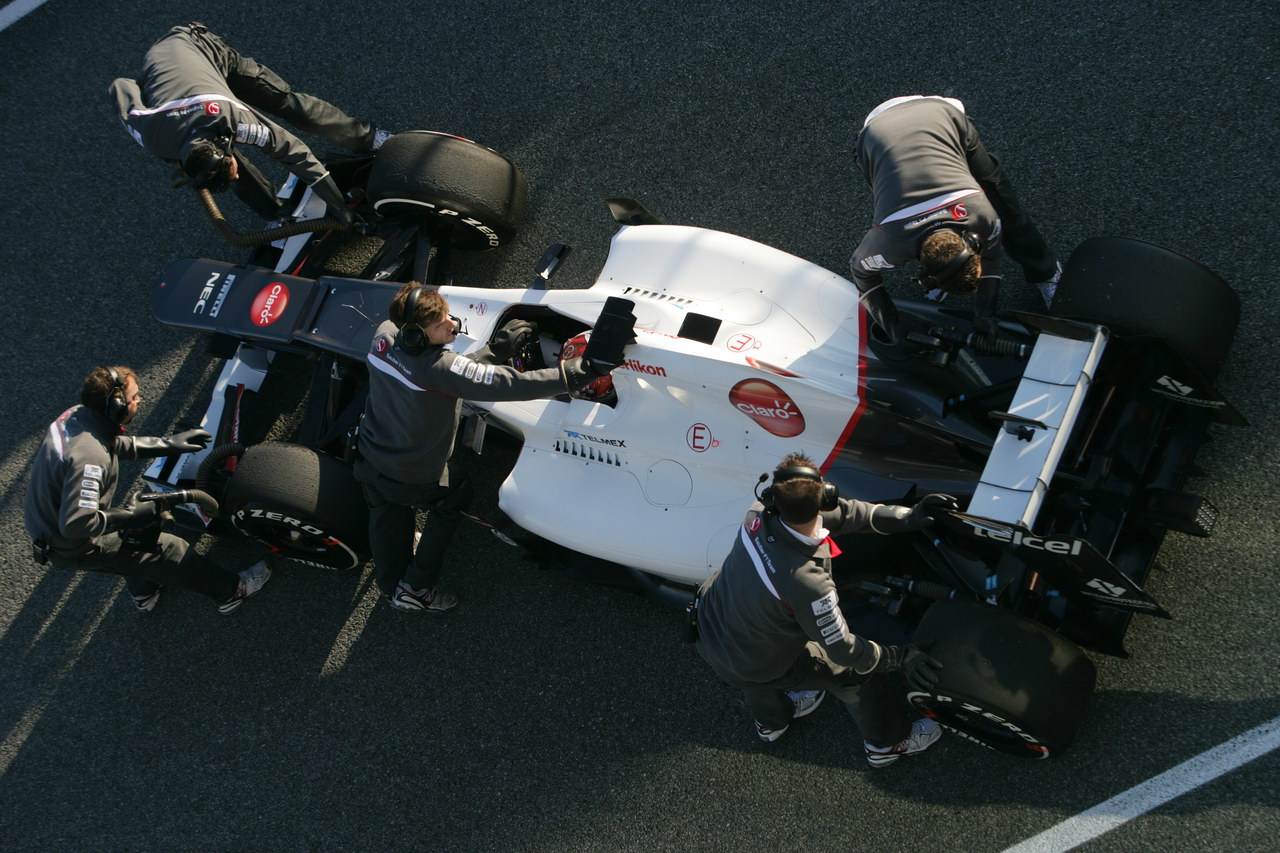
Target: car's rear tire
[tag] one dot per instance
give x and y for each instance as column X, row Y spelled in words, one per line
column 1139, row 288
column 472, row 194
column 300, row 503
column 1007, row 683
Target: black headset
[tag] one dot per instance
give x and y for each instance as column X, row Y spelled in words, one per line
column 115, row 407
column 413, row 338
column 953, row 267
column 830, row 492
column 200, row 178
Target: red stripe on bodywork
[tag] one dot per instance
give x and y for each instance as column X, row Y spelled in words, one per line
column 862, row 393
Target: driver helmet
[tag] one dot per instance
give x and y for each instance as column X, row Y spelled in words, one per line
column 599, row 391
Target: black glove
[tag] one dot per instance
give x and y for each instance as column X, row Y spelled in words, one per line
column 511, row 339
column 920, row 670
column 883, row 312
column 929, row 509
column 188, row 441
column 615, row 328
column 328, row 190
column 131, row 517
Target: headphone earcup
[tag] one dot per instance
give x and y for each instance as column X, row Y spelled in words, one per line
column 115, row 408
column 412, row 339
column 830, row 496
column 766, row 498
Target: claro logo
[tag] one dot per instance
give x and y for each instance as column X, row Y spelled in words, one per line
column 269, row 304
column 767, row 405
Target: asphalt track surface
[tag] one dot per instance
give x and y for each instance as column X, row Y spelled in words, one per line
column 548, row 714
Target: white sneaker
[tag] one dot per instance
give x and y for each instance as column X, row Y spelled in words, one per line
column 252, row 580
column 1049, row 286
column 805, row 702
column 147, row 603
column 924, row 734
column 381, row 136
column 433, row 600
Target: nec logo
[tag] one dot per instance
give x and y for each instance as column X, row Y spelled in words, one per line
column 769, row 406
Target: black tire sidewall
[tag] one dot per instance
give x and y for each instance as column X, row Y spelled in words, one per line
column 472, row 191
column 1018, row 676
column 279, row 486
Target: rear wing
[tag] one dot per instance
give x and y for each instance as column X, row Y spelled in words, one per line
column 1072, row 565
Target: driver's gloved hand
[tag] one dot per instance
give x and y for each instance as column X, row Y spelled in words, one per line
column 511, row 339
column 920, row 669
column 187, row 441
column 614, row 329
column 577, row 373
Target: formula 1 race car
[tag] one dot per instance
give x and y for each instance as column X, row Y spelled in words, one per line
column 1067, row 439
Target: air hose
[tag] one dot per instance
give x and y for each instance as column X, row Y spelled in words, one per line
column 254, row 238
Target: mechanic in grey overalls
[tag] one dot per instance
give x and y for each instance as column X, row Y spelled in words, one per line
column 199, row 98
column 769, row 621
column 416, row 389
column 70, row 518
column 943, row 199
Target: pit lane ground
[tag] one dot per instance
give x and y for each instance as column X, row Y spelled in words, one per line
column 547, row 714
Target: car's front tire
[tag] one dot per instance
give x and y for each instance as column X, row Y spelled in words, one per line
column 301, row 504
column 472, row 195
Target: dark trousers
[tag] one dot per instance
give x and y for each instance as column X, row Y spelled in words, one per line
column 393, row 509
column 170, row 563
column 1021, row 240
column 263, row 89
column 876, row 703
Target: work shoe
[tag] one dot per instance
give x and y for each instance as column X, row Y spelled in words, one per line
column 147, row 603
column 252, row 580
column 433, row 600
column 1049, row 286
column 805, row 702
column 924, row 734
column 380, row 136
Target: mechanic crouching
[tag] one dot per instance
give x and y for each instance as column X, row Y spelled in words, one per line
column 940, row 197
column 68, row 503
column 199, row 98
column 416, row 389
column 769, row 621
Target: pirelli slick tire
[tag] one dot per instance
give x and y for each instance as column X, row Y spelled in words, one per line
column 1007, row 683
column 472, row 194
column 1139, row 288
column 301, row 504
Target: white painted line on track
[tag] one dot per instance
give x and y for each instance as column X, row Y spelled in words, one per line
column 1140, row 799
column 16, row 10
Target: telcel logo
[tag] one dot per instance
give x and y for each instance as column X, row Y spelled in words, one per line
column 1040, row 543
column 767, row 405
column 269, row 304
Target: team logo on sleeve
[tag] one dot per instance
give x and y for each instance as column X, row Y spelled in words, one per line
column 825, row 604
column 93, row 472
column 213, row 108
column 959, row 211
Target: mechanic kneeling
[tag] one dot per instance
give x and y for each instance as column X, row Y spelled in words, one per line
column 68, row 503
column 769, row 620
column 416, row 389
column 199, row 98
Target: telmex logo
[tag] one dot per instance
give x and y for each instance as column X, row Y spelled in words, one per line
column 269, row 304
column 1040, row 543
column 767, row 405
